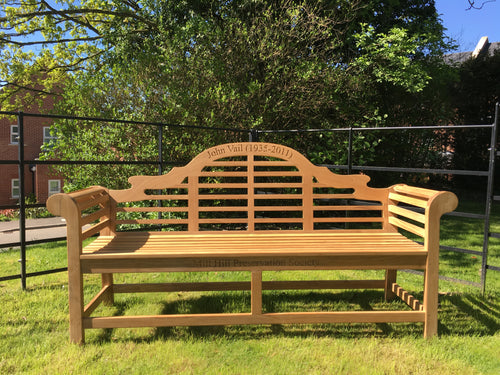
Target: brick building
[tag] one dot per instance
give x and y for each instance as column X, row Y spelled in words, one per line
column 39, row 181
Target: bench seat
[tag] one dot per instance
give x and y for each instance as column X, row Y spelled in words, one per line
column 148, row 251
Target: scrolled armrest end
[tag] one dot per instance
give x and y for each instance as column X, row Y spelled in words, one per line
column 445, row 202
column 56, row 202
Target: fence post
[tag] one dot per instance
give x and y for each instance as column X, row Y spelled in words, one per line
column 349, row 153
column 22, row 201
column 489, row 198
column 160, row 167
column 160, row 149
column 253, row 135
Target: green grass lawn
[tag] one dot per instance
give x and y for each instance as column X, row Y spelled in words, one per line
column 34, row 324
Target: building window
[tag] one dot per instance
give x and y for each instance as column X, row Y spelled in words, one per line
column 14, row 135
column 54, row 187
column 47, row 137
column 15, row 188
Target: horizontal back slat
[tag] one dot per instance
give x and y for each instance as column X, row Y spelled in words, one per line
column 407, row 213
column 223, row 221
column 215, row 185
column 223, row 209
column 415, row 191
column 407, row 226
column 222, row 174
column 276, row 173
column 87, row 233
column 408, row 199
column 96, row 200
column 85, row 194
column 348, row 208
column 333, row 196
column 349, row 220
column 152, row 221
column 158, row 197
column 151, row 209
column 94, row 216
column 407, row 208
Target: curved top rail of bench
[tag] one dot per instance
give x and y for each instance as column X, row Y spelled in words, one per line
column 222, row 154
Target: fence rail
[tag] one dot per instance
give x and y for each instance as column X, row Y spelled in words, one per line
column 254, row 135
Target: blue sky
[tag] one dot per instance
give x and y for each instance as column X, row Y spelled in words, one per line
column 468, row 26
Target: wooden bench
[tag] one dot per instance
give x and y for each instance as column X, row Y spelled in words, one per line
column 252, row 207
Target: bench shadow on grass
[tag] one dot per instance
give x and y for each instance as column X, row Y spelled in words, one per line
column 469, row 314
column 229, row 302
column 459, row 314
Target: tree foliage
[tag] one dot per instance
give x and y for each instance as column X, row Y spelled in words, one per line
column 475, row 95
column 238, row 64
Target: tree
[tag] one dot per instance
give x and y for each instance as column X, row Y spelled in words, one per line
column 242, row 64
column 68, row 36
column 474, row 96
column 478, row 5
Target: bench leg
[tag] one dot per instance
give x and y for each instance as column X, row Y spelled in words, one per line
column 431, row 282
column 390, row 278
column 75, row 289
column 431, row 289
column 107, row 281
column 256, row 293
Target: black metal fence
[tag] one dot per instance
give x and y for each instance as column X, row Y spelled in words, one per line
column 255, row 135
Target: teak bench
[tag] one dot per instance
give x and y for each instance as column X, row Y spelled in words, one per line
column 252, row 207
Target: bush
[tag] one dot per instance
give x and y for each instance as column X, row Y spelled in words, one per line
column 9, row 214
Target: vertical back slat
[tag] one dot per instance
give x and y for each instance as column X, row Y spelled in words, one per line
column 193, row 203
column 251, row 192
column 307, row 202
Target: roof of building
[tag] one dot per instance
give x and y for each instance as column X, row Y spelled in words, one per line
column 484, row 47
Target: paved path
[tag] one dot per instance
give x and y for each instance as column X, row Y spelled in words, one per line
column 36, row 229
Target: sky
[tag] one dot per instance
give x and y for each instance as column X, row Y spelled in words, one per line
column 466, row 27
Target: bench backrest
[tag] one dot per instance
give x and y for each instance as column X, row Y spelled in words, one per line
column 252, row 187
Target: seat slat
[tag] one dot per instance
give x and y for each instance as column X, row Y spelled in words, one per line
column 138, row 243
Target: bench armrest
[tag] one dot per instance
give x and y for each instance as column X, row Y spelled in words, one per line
column 405, row 206
column 86, row 211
